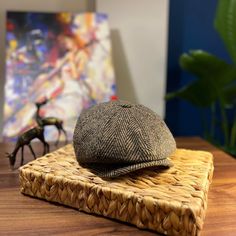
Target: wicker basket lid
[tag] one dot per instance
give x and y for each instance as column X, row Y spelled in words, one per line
column 118, row 137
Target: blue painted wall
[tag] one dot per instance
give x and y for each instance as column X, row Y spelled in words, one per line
column 190, row 27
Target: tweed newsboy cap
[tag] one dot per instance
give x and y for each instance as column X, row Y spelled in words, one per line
column 118, row 137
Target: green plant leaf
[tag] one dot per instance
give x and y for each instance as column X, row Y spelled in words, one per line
column 229, row 95
column 198, row 93
column 208, row 67
column 213, row 75
column 225, row 24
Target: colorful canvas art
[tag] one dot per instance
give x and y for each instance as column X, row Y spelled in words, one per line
column 62, row 57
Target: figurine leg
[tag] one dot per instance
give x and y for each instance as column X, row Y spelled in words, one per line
column 22, row 156
column 58, row 138
column 45, row 148
column 66, row 141
column 32, row 151
column 45, row 145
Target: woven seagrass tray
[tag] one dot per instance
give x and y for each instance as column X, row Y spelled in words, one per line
column 170, row 201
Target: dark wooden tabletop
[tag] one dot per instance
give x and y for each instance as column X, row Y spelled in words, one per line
column 23, row 215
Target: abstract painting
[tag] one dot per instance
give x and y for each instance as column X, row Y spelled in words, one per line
column 62, row 57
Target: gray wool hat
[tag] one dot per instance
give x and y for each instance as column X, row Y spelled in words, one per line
column 118, row 137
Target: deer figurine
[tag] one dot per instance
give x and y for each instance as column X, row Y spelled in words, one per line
column 25, row 139
column 46, row 121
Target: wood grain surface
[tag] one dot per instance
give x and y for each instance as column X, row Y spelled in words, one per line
column 22, row 215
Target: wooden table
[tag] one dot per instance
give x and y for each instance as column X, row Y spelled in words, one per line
column 22, row 215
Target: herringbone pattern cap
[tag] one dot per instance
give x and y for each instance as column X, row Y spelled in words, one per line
column 118, row 137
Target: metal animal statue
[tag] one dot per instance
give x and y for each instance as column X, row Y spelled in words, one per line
column 46, row 121
column 25, row 139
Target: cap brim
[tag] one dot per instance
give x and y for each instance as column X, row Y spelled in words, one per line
column 116, row 170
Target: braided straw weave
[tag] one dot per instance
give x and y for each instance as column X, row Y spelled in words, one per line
column 170, row 201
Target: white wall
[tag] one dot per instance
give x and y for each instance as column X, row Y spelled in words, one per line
column 32, row 5
column 139, row 41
